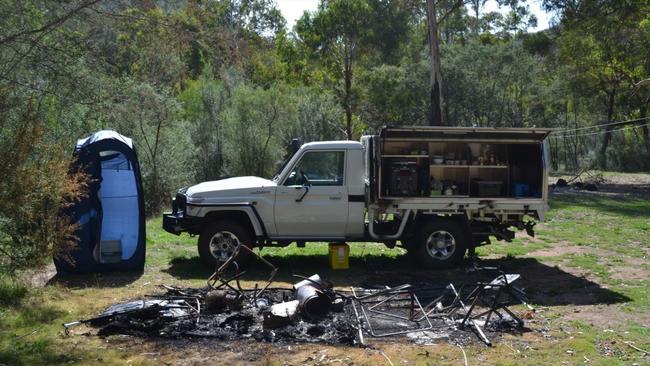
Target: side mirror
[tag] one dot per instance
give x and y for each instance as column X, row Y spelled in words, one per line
column 293, row 179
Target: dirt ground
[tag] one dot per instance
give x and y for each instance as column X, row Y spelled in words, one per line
column 591, row 298
column 562, row 295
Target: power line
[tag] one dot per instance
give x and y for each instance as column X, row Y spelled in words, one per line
column 601, row 125
column 599, row 132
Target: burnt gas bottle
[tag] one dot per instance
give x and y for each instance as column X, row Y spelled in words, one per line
column 312, row 301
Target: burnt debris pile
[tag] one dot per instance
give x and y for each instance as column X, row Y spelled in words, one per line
column 223, row 315
column 313, row 311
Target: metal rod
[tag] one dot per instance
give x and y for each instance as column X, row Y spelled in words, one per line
column 381, row 292
column 472, row 322
column 373, row 332
column 359, row 324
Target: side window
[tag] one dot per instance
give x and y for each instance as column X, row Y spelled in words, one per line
column 318, row 168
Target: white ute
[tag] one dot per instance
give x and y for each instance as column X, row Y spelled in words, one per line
column 437, row 191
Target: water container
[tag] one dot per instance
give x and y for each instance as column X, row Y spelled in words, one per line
column 339, row 255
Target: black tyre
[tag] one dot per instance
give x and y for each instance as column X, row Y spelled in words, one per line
column 440, row 244
column 218, row 240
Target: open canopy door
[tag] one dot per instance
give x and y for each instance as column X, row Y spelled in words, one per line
column 479, row 134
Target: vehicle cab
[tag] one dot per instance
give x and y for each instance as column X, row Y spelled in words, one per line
column 317, row 196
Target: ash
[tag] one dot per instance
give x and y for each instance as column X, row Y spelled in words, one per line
column 312, row 311
column 174, row 315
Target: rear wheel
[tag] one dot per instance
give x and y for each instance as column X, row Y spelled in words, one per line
column 440, row 243
column 218, row 242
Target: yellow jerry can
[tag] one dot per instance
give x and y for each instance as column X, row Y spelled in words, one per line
column 339, row 255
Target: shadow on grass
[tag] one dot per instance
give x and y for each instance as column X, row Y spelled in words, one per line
column 624, row 205
column 545, row 285
column 193, row 268
column 25, row 342
column 104, row 279
column 40, row 350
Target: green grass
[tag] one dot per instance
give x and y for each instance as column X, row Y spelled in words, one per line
column 620, row 225
column 11, row 292
column 518, row 247
column 612, row 233
column 30, row 327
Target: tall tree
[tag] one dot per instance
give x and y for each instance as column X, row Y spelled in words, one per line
column 436, row 117
column 436, row 15
column 336, row 34
column 607, row 48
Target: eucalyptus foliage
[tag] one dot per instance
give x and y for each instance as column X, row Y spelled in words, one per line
column 209, row 89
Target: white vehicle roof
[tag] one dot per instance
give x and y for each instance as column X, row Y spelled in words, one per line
column 332, row 145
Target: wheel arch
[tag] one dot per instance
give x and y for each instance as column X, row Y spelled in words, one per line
column 246, row 215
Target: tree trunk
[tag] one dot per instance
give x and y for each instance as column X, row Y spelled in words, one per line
column 347, row 98
column 554, row 147
column 644, row 129
column 608, row 129
column 436, row 117
column 477, row 4
column 575, row 141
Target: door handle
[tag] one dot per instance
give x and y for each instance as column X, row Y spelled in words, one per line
column 335, row 198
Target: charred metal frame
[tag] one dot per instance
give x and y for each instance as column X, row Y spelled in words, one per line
column 217, row 280
column 394, row 294
column 501, row 285
column 492, row 297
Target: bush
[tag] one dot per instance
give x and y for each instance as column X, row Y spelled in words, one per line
column 34, row 188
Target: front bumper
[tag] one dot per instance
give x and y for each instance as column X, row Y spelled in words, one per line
column 177, row 223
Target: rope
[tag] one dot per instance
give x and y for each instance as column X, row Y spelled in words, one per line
column 599, row 132
column 598, row 126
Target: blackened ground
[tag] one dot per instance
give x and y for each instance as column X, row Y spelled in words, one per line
column 242, row 321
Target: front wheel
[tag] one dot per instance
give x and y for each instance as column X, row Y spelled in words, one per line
column 218, row 241
column 440, row 244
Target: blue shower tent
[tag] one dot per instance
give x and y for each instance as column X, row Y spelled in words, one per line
column 111, row 219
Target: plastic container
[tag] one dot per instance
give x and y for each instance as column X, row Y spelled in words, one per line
column 488, row 188
column 522, row 190
column 339, row 254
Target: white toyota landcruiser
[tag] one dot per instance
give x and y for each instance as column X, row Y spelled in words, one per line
column 437, row 191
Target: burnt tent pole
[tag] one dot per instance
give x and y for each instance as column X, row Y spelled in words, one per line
column 436, row 117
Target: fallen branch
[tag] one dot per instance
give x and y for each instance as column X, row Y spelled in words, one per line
column 636, row 348
column 26, row 335
column 464, row 354
column 386, row 357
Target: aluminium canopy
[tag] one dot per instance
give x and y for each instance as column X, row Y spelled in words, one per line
column 467, row 134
